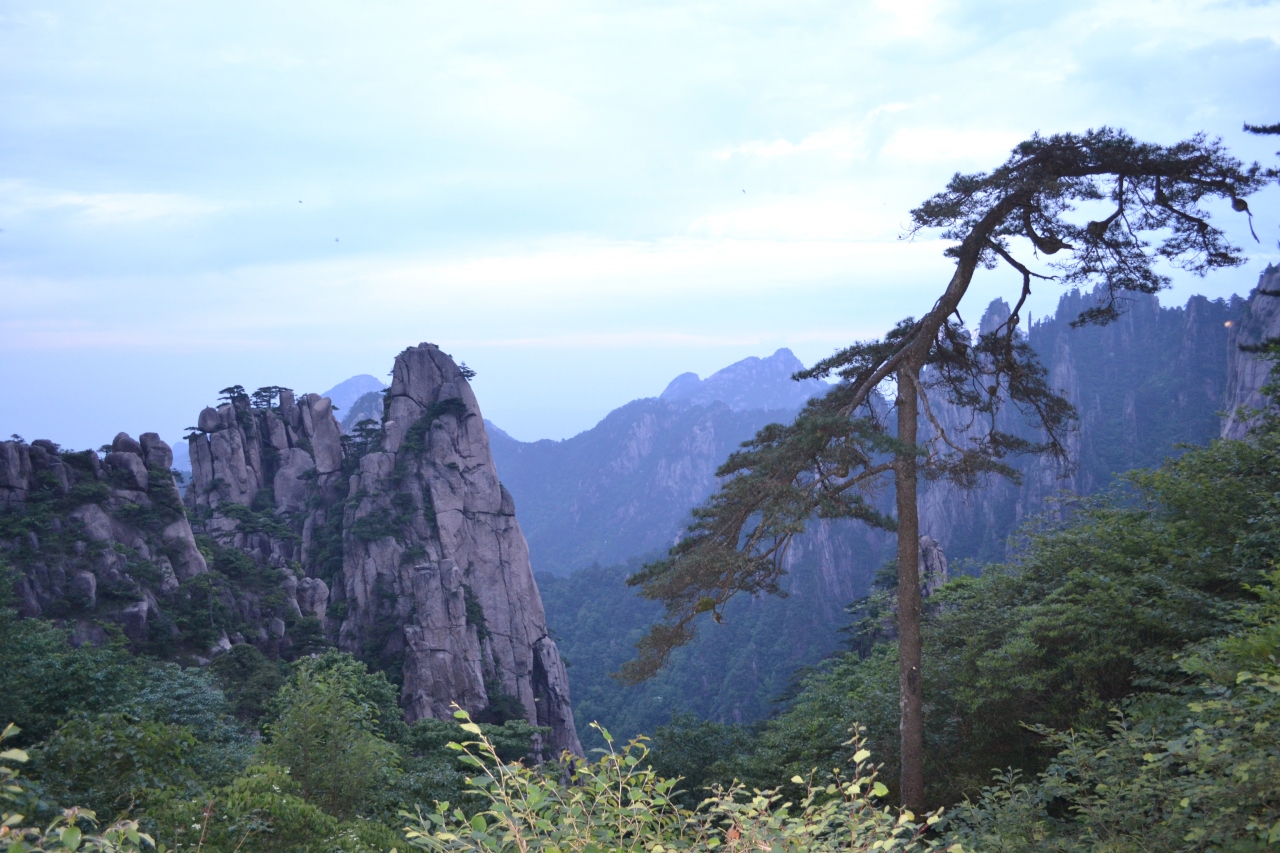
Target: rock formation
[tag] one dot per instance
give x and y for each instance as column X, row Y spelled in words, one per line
column 96, row 540
column 435, row 567
column 1246, row 372
column 403, row 546
column 400, row 547
column 1151, row 380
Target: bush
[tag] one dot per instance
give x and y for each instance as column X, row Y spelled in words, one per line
column 110, row 762
column 71, row 830
column 1193, row 770
column 618, row 803
column 327, row 740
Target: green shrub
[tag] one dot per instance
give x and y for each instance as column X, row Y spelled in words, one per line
column 112, row 761
column 618, row 803
column 73, row 828
column 325, row 732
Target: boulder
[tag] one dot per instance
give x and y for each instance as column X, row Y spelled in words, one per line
column 123, row 443
column 289, row 486
column 208, row 420
column 131, row 465
column 133, row 621
column 96, row 523
column 181, row 542
column 84, row 590
column 290, row 587
column 313, row 597
column 156, row 453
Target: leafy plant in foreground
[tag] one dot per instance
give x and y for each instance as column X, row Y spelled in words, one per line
column 618, row 803
column 70, row 831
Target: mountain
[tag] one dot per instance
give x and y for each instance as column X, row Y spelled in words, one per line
column 625, row 487
column 346, row 392
column 750, row 384
column 1152, row 380
column 595, row 506
column 399, row 546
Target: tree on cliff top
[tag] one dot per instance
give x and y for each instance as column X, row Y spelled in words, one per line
column 841, row 448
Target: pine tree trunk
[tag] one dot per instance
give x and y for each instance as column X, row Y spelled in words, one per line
column 911, row 726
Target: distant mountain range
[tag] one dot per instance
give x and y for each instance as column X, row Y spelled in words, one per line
column 625, row 487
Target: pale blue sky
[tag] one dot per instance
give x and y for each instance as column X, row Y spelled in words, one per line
column 581, row 200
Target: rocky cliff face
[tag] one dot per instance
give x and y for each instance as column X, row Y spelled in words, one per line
column 99, row 541
column 1141, row 385
column 435, row 568
column 1246, row 373
column 401, row 547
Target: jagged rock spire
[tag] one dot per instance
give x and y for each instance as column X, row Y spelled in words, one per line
column 434, row 564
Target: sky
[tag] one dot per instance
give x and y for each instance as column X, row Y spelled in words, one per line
column 579, row 200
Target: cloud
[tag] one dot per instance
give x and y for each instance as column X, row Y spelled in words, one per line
column 948, row 145
column 99, row 208
column 842, row 142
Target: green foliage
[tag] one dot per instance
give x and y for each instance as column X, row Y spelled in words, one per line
column 475, row 612
column 1095, row 607
column 618, row 803
column 44, row 680
column 112, row 761
column 202, row 611
column 378, row 524
column 700, row 753
column 249, row 678
column 1196, row 769
column 259, row 518
column 264, row 397
column 370, row 690
column 822, row 465
column 325, row 732
column 73, row 828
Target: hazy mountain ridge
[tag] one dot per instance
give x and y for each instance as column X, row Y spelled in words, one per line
column 750, row 384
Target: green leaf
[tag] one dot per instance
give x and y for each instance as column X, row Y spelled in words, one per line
column 471, row 728
column 70, row 837
column 879, row 790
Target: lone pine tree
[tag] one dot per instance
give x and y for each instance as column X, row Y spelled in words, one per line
column 841, row 448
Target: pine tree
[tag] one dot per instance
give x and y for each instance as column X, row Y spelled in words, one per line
column 842, row 447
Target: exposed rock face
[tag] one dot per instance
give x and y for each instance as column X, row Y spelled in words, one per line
column 270, row 459
column 95, row 542
column 1154, row 378
column 1247, row 373
column 403, row 549
column 434, row 564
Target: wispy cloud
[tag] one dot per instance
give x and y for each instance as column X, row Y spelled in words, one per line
column 21, row 198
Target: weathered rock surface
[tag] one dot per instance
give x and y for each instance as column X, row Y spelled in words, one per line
column 435, row 567
column 404, row 550
column 1246, row 372
column 101, row 539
